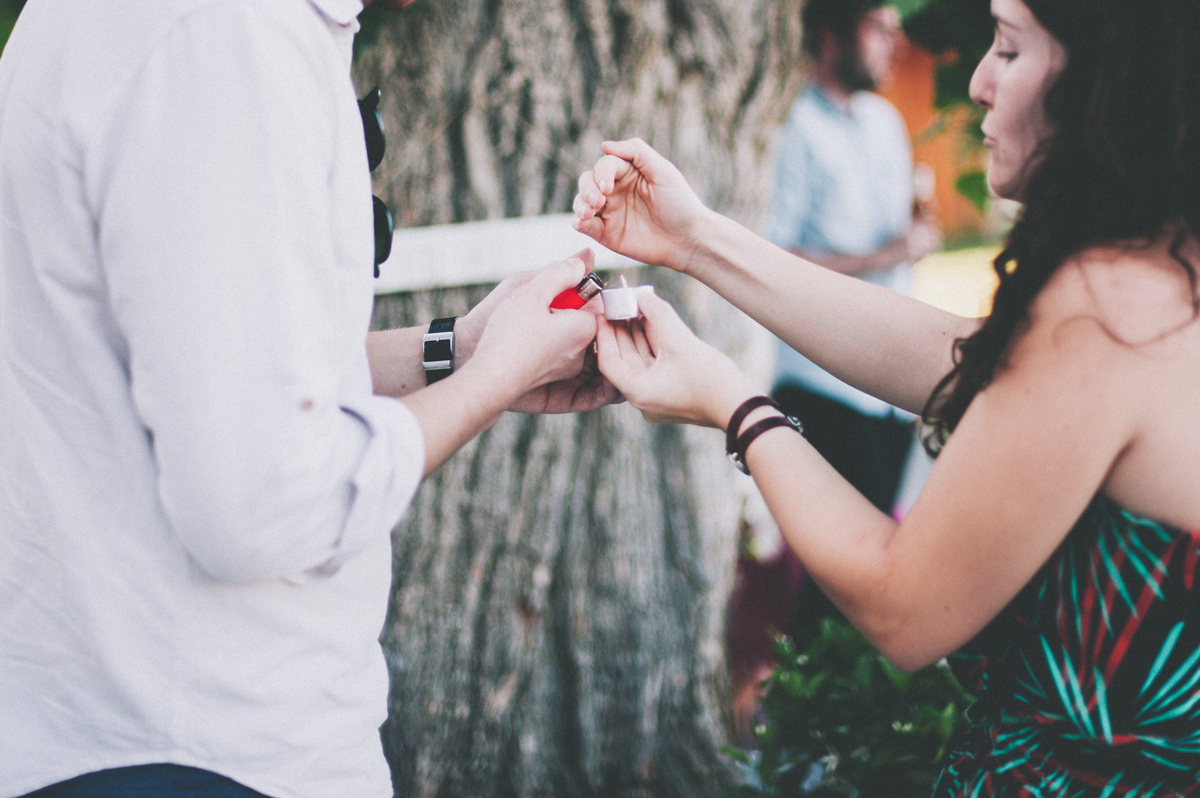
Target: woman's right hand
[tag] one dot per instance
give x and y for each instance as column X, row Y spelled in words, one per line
column 668, row 373
column 635, row 202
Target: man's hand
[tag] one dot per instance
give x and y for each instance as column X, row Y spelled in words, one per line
column 469, row 329
column 586, row 391
column 924, row 237
column 637, row 203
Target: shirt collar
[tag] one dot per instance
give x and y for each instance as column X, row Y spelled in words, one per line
column 343, row 12
column 829, row 103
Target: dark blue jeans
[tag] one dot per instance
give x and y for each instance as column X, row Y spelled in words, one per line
column 148, row 781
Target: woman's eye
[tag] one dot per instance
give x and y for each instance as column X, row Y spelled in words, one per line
column 998, row 48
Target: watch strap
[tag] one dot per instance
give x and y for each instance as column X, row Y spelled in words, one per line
column 437, row 349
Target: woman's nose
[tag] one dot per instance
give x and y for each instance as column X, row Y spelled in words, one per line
column 980, row 89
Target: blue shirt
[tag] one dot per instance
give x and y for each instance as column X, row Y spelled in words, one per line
column 843, row 186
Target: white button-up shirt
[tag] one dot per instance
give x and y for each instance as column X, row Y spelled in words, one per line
column 196, row 483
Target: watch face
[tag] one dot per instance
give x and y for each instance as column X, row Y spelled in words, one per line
column 438, row 350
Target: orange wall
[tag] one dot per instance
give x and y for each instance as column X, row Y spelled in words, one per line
column 912, row 92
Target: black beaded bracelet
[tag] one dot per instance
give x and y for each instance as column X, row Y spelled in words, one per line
column 736, row 445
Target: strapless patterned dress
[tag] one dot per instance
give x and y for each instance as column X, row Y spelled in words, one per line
column 1089, row 681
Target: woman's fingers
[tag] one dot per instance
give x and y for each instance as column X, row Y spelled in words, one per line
column 595, row 185
column 582, row 210
column 626, row 346
column 637, row 332
column 589, row 199
column 666, row 371
column 613, row 366
column 660, row 321
column 608, row 171
column 634, row 151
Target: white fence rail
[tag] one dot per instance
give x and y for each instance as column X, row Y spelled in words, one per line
column 441, row 256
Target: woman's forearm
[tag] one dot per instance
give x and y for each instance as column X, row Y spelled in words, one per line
column 881, row 342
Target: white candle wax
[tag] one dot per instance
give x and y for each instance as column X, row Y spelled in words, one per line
column 621, row 303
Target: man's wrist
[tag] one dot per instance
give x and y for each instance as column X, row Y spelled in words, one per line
column 466, row 339
column 495, row 385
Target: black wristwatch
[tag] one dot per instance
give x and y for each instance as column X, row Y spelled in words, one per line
column 438, row 350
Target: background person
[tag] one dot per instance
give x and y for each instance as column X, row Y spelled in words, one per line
column 843, row 199
column 198, row 476
column 1048, row 554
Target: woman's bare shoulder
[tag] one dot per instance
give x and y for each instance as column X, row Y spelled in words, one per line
column 1126, row 319
column 1135, row 295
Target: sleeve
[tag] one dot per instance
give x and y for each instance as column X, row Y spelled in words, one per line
column 792, row 198
column 228, row 276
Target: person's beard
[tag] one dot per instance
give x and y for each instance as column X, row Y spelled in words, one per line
column 851, row 72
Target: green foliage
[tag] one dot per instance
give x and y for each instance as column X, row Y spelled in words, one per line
column 374, row 18
column 839, row 720
column 958, row 33
column 973, row 185
column 9, row 9
column 370, row 21
column 910, row 8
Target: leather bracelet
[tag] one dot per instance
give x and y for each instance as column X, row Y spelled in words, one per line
column 737, row 455
column 739, row 415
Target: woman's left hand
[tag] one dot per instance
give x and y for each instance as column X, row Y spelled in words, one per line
column 668, row 373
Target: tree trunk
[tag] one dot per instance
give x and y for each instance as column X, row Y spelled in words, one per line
column 558, row 611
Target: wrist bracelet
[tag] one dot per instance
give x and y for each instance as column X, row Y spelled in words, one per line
column 736, row 445
column 739, row 415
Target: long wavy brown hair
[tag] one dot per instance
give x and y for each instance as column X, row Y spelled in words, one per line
column 1122, row 166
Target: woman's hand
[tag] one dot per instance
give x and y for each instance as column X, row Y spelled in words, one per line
column 637, row 203
column 668, row 373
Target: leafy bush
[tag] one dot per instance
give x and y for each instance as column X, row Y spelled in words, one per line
column 9, row 9
column 839, row 720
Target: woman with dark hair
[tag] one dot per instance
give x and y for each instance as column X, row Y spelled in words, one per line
column 1048, row 555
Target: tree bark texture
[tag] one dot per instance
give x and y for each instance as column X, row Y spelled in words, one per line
column 557, row 623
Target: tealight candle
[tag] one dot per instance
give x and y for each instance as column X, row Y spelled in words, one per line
column 621, row 303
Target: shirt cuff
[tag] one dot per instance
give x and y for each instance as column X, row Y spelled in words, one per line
column 386, row 478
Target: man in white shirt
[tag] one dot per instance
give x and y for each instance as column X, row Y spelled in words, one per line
column 198, row 471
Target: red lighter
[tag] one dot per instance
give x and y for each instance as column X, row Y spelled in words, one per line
column 577, row 297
